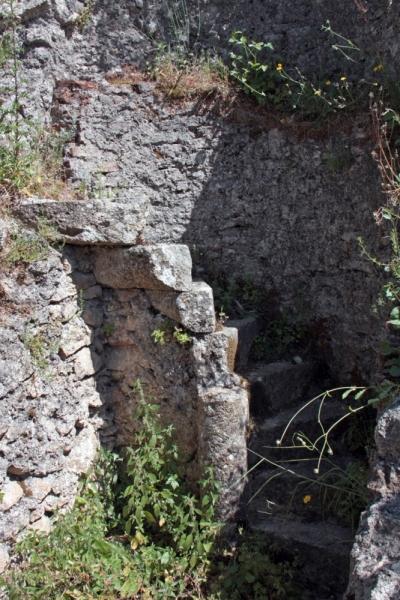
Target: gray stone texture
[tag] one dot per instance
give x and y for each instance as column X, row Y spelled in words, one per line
column 194, row 308
column 43, row 411
column 253, row 196
column 154, row 267
column 375, row 564
column 80, row 222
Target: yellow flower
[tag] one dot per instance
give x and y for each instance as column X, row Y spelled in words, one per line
column 306, row 499
column 378, row 67
column 279, row 67
column 376, row 83
column 343, row 78
column 317, row 92
column 328, row 82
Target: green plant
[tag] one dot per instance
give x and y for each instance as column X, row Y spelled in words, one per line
column 269, row 78
column 171, row 533
column 235, row 296
column 252, row 570
column 341, row 491
column 168, row 332
column 82, row 20
column 26, row 246
column 108, row 328
column 41, row 341
column 30, row 155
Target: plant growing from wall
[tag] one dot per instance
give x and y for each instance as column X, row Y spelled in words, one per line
column 136, row 531
column 168, row 332
column 26, row 246
column 30, row 154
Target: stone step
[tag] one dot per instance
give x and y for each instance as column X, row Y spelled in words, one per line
column 298, row 490
column 270, row 430
column 278, row 385
column 322, row 550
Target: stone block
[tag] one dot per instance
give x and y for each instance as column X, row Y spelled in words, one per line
column 78, row 222
column 232, row 335
column 93, row 292
column 4, row 558
column 35, row 487
column 83, row 280
column 278, row 385
column 86, row 362
column 84, row 451
column 42, row 525
column 13, row 493
column 387, row 432
column 156, row 267
column 194, row 308
column 247, row 329
column 75, row 335
column 93, row 316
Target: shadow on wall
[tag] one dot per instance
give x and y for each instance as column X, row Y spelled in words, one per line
column 269, row 206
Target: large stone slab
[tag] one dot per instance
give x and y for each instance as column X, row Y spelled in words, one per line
column 82, row 222
column 153, row 267
column 194, row 309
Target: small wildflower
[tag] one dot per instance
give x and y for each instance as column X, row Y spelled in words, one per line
column 278, row 442
column 317, row 92
column 375, row 83
column 343, row 78
column 279, row 67
column 378, row 68
column 306, row 499
column 328, row 82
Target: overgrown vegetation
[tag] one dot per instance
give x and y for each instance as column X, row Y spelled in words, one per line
column 26, row 246
column 136, row 531
column 30, row 154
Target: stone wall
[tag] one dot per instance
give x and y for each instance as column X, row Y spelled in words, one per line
column 90, row 312
column 247, row 193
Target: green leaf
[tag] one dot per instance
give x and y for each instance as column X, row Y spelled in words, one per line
column 385, row 348
column 347, row 392
column 395, row 371
column 193, row 561
column 360, row 393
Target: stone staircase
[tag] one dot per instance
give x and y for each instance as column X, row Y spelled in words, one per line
column 282, row 502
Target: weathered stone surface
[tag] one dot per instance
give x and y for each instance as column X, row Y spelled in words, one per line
column 42, row 525
column 4, row 558
column 36, row 488
column 158, row 267
column 93, row 316
column 232, row 336
column 223, row 415
column 4, row 227
column 194, row 308
column 84, row 451
column 83, row 280
column 247, row 329
column 13, row 493
column 86, row 362
column 82, row 223
column 75, row 335
column 375, row 564
column 387, row 433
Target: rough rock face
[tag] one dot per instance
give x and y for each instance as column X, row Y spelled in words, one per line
column 72, row 352
column 375, row 569
column 47, row 437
